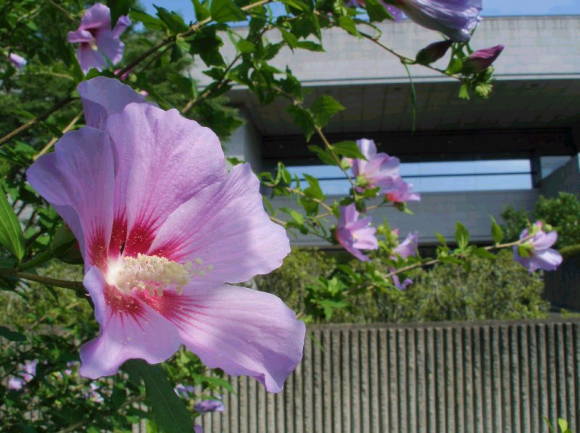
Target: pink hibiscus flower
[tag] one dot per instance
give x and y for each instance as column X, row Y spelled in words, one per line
column 355, row 234
column 164, row 229
column 535, row 253
column 99, row 45
column 378, row 169
column 401, row 192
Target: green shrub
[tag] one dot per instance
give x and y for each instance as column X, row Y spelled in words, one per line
column 562, row 212
column 482, row 289
column 322, row 290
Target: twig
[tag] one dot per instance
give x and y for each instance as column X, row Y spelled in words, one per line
column 67, row 128
column 32, row 122
column 77, row 286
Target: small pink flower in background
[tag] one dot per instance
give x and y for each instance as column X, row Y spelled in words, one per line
column 536, row 253
column 355, row 234
column 25, row 374
column 184, row 391
column 378, row 170
column 409, row 246
column 17, row 61
column 455, row 18
column 165, row 230
column 480, row 60
column 99, row 45
column 197, row 428
column 206, row 406
column 401, row 192
column 405, row 249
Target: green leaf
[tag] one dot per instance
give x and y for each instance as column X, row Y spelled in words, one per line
column 244, row 46
column 348, row 149
column 310, row 46
column 461, row 235
column 173, row 20
column 348, row 24
column 10, row 231
column 496, row 231
column 11, row 335
column 324, row 108
column 323, row 154
column 296, row 4
column 169, row 411
column 118, row 8
column 304, row 119
column 224, row 11
column 150, row 22
column 201, row 12
column 377, row 12
column 563, row 424
column 313, row 189
column 464, row 92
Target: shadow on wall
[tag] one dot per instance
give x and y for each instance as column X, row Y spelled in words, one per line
column 563, row 285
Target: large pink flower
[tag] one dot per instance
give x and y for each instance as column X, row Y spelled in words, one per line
column 164, row 228
column 99, row 45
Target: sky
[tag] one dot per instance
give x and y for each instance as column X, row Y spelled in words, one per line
column 490, row 7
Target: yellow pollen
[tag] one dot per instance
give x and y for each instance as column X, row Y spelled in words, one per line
column 151, row 273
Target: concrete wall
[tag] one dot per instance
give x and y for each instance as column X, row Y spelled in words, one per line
column 438, row 212
column 245, row 143
column 565, row 179
column 539, row 47
column 490, row 377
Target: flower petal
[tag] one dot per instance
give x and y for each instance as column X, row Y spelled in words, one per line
column 140, row 334
column 543, row 241
column 89, row 58
column 102, row 96
column 78, row 179
column 97, row 16
column 242, row 331
column 162, row 161
column 79, row 36
column 224, row 226
column 110, row 46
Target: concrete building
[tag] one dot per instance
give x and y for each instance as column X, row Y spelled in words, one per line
column 470, row 159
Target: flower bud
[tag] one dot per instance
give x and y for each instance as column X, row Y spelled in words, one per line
column 480, row 60
column 433, row 52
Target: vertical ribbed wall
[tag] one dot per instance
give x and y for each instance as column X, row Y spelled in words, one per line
column 493, row 377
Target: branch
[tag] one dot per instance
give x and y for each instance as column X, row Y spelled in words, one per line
column 435, row 261
column 32, row 122
column 77, row 286
column 67, row 128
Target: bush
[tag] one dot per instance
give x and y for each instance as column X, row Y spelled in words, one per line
column 323, row 290
column 562, row 212
column 481, row 289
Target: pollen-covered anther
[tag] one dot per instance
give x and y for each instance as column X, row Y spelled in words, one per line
column 152, row 273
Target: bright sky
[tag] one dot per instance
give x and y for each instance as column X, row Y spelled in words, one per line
column 490, row 7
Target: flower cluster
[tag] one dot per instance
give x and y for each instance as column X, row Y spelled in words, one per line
column 25, row 374
column 99, row 44
column 165, row 231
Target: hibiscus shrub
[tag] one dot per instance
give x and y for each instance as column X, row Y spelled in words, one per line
column 98, row 168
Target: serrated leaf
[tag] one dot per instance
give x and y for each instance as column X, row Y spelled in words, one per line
column 150, row 22
column 304, row 119
column 11, row 335
column 10, row 231
column 201, row 12
column 118, row 8
column 496, row 231
column 461, row 235
column 323, row 154
column 377, row 12
column 313, row 189
column 169, row 411
column 244, row 46
column 224, row 11
column 348, row 149
column 348, row 24
column 310, row 46
column 324, row 108
column 172, row 20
